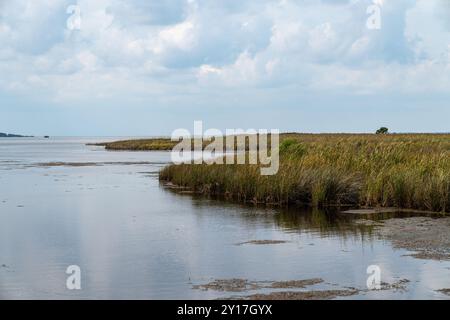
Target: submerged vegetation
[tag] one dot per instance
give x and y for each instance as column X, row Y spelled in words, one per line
column 405, row 171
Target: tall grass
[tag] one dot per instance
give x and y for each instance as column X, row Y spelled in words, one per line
column 164, row 144
column 406, row 171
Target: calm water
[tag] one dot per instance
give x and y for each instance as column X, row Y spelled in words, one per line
column 132, row 238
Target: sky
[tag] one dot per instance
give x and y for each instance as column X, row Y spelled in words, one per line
column 148, row 67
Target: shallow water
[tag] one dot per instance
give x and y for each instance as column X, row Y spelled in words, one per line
column 132, row 238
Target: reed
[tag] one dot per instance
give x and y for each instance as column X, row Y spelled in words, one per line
column 406, row 171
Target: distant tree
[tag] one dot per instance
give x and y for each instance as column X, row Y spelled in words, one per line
column 382, row 130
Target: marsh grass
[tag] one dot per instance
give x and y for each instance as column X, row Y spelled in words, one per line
column 165, row 144
column 155, row 144
column 405, row 171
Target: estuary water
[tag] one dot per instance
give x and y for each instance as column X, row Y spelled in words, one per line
column 64, row 203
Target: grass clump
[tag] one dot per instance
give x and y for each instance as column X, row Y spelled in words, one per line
column 292, row 148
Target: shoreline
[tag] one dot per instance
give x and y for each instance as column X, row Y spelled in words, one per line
column 427, row 238
column 407, row 171
column 359, row 214
column 367, row 176
column 354, row 211
column 426, row 234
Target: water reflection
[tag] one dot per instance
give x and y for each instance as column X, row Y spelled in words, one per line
column 135, row 239
column 322, row 222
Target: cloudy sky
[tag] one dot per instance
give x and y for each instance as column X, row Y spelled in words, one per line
column 147, row 67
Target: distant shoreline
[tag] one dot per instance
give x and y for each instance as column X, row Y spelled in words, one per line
column 11, row 135
column 166, row 144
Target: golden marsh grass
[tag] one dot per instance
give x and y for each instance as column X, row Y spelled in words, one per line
column 405, row 171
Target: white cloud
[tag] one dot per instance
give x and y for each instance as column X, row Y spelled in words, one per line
column 126, row 47
column 180, row 36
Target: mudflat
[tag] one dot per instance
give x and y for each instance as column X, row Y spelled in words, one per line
column 428, row 237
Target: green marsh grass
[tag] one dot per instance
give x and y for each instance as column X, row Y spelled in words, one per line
column 405, row 171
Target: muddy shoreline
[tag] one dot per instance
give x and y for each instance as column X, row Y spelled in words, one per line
column 426, row 237
column 291, row 289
